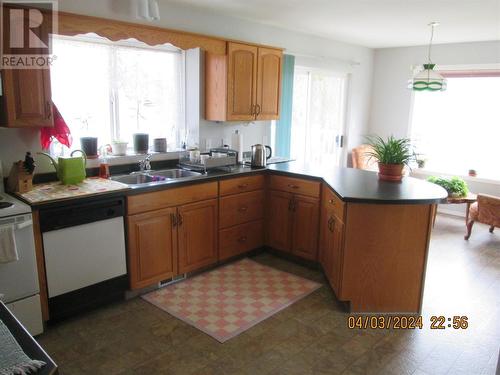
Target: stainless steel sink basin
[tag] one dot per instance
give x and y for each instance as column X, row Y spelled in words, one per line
column 155, row 177
column 134, row 179
column 175, row 173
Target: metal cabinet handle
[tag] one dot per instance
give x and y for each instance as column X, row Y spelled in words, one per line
column 174, row 219
column 258, row 110
column 293, row 186
column 252, row 109
column 179, row 219
column 242, row 186
column 48, row 110
column 242, row 239
column 243, row 209
column 331, row 201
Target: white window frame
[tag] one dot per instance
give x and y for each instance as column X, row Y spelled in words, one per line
column 92, row 38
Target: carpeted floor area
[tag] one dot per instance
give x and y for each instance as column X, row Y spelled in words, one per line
column 311, row 336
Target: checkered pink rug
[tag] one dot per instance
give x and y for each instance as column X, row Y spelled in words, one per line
column 231, row 299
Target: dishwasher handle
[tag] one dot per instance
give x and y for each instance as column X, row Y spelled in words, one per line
column 79, row 214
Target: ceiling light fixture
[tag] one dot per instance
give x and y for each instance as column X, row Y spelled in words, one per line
column 428, row 79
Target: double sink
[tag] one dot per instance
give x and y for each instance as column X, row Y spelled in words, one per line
column 150, row 177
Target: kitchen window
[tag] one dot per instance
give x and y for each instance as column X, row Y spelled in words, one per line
column 458, row 129
column 112, row 90
column 318, row 116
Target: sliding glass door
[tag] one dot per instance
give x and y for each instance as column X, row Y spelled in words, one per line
column 318, row 116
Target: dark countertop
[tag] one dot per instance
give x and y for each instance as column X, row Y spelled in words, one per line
column 27, row 342
column 351, row 185
column 355, row 185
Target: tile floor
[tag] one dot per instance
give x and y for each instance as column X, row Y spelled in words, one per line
column 311, row 336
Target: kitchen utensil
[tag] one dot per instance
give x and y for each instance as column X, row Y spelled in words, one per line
column 89, row 146
column 141, row 143
column 259, row 155
column 70, row 170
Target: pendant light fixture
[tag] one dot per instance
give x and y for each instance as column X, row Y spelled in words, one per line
column 428, row 79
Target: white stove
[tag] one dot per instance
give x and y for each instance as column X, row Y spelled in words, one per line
column 10, row 206
column 19, row 287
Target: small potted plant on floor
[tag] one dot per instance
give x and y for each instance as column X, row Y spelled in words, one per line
column 392, row 155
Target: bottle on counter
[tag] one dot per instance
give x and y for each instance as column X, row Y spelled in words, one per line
column 103, row 165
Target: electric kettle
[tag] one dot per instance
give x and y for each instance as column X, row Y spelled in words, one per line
column 259, row 155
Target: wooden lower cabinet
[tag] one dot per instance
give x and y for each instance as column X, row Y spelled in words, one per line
column 152, row 247
column 240, row 239
column 279, row 220
column 305, row 212
column 292, row 223
column 331, row 248
column 166, row 242
column 197, row 235
column 331, row 240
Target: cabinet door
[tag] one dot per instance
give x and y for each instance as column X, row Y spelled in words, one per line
column 305, row 226
column 197, row 231
column 324, row 235
column 26, row 92
column 241, row 81
column 337, row 253
column 152, row 247
column 268, row 84
column 279, row 220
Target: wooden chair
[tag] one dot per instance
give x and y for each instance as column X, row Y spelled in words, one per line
column 486, row 210
column 362, row 160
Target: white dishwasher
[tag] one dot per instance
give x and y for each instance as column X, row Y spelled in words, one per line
column 85, row 261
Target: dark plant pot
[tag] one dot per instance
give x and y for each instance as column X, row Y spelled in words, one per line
column 141, row 143
column 89, row 146
column 390, row 172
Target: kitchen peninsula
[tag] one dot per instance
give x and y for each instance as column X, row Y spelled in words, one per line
column 371, row 237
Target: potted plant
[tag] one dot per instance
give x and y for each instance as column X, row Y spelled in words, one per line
column 392, row 155
column 455, row 186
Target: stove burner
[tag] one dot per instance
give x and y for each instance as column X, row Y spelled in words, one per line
column 5, row 204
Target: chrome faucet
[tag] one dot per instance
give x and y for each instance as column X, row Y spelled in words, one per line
column 145, row 164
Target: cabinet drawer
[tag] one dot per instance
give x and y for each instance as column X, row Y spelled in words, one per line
column 241, row 238
column 241, row 208
column 332, row 202
column 295, row 185
column 241, row 184
column 170, row 197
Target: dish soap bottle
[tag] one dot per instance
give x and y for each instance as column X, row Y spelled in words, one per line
column 104, row 166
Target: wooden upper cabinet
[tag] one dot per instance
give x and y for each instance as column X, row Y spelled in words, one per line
column 197, row 235
column 268, row 83
column 26, row 98
column 152, row 247
column 244, row 85
column 242, row 81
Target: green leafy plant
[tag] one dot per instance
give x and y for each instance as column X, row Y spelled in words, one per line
column 391, row 150
column 455, row 186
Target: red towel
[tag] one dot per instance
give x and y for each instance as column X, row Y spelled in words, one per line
column 60, row 131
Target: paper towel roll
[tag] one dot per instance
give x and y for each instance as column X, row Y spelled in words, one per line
column 237, row 144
